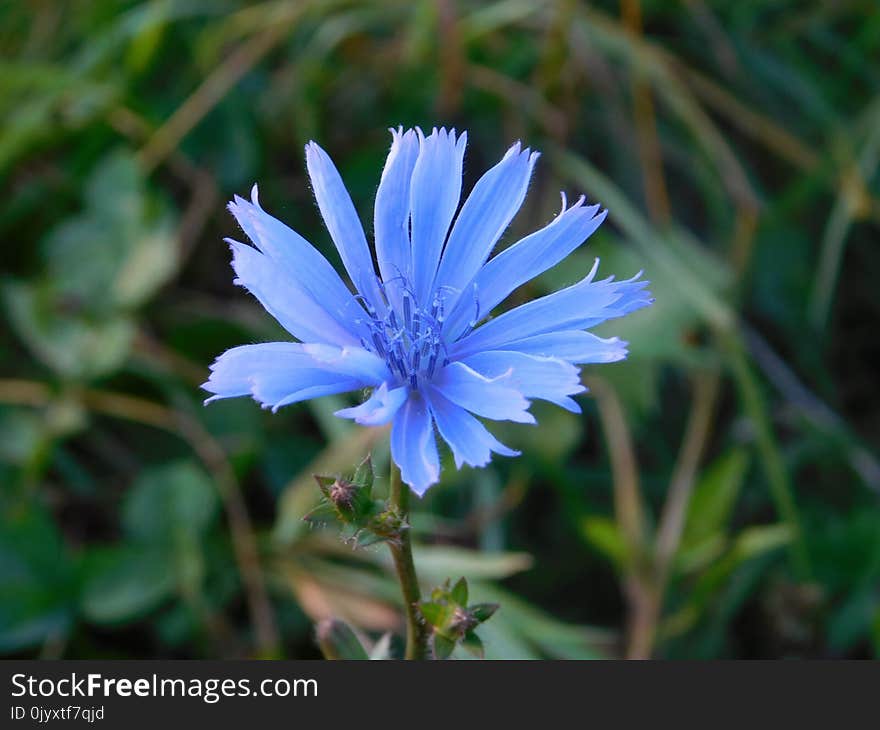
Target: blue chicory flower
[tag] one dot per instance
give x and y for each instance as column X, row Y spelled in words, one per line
column 418, row 333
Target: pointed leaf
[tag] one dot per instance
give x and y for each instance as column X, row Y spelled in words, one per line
column 459, row 592
column 338, row 641
column 483, row 611
column 324, row 513
column 473, row 644
column 442, row 646
column 364, row 474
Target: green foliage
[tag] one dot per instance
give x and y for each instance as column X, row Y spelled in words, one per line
column 736, row 147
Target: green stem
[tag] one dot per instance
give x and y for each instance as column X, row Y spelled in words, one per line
column 774, row 466
column 416, row 638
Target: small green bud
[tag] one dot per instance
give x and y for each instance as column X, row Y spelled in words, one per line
column 342, row 493
column 388, row 525
column 348, row 501
column 452, row 621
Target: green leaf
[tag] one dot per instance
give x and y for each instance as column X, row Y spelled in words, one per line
column 123, row 584
column 364, row 474
column 324, row 514
column 604, row 534
column 441, row 646
column 116, row 253
column 435, row 563
column 68, row 344
column 150, row 263
column 459, row 592
column 472, row 643
column 753, row 542
column 338, row 641
column 854, row 619
column 37, row 578
column 169, row 500
column 714, row 497
column 483, row 611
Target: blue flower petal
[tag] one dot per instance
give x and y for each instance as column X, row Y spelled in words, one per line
column 308, row 392
column 391, row 216
column 413, row 447
column 343, row 223
column 582, row 305
column 279, row 373
column 575, row 346
column 545, row 378
column 283, row 297
column 354, row 361
column 493, row 398
column 470, row 441
column 378, row 409
column 484, row 217
column 523, row 261
column 300, row 262
column 434, row 197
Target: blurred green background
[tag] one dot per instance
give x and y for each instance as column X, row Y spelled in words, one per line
column 720, row 495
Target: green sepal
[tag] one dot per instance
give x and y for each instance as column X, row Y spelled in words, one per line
column 364, row 474
column 441, row 593
column 459, row 592
column 472, row 643
column 365, row 538
column 441, row 646
column 324, row 514
column 483, row 611
column 324, row 483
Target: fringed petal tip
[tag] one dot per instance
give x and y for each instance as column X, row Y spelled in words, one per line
column 442, row 135
column 594, row 210
column 378, row 409
column 239, row 205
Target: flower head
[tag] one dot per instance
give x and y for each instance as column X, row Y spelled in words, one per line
column 417, row 332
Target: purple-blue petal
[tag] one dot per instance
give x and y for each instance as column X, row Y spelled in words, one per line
column 413, row 446
column 582, row 305
column 521, row 262
column 284, row 298
column 484, row 217
column 575, row 346
column 495, row 398
column 297, row 260
column 391, row 215
column 379, row 408
column 434, row 195
column 342, row 222
column 470, row 440
column 545, row 378
column 279, row 373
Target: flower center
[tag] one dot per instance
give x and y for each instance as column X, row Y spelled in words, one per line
column 409, row 338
